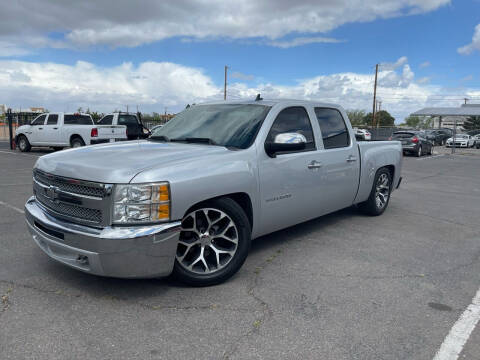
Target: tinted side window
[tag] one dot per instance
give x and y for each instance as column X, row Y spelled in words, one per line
column 106, row 120
column 293, row 119
column 127, row 120
column 334, row 130
column 52, row 119
column 40, row 120
column 77, row 120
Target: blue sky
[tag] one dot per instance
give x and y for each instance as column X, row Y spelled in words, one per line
column 168, row 55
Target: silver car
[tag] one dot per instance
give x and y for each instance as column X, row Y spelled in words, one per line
column 190, row 199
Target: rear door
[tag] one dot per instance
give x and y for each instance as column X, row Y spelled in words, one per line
column 51, row 130
column 339, row 158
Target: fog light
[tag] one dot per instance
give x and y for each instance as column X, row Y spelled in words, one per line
column 82, row 259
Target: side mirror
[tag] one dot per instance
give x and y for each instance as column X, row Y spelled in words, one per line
column 286, row 142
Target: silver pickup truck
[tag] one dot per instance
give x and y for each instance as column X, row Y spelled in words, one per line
column 190, row 199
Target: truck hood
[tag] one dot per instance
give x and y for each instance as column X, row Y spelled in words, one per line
column 120, row 162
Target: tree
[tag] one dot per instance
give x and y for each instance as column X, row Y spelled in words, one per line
column 357, row 117
column 413, row 121
column 382, row 118
column 418, row 122
column 472, row 123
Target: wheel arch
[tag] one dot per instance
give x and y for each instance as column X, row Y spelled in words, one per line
column 74, row 136
column 241, row 198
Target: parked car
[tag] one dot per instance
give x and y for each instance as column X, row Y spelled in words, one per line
column 362, row 134
column 437, row 136
column 414, row 142
column 189, row 199
column 59, row 130
column 133, row 122
column 477, row 141
column 461, row 140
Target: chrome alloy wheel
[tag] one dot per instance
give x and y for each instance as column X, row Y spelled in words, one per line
column 382, row 191
column 208, row 241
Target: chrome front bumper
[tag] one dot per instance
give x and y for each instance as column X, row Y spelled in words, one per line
column 124, row 252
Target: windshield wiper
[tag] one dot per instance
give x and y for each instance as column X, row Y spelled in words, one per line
column 159, row 137
column 200, row 140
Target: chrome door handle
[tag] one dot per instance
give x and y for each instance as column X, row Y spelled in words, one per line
column 314, row 165
column 351, row 158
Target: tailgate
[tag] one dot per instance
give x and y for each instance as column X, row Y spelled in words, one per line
column 112, row 131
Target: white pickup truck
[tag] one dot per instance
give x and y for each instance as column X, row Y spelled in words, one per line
column 135, row 128
column 59, row 130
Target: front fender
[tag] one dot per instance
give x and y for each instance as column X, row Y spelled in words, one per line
column 212, row 176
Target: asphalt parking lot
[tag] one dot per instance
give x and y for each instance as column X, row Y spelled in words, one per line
column 344, row 286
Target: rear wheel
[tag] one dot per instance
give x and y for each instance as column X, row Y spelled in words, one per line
column 419, row 151
column 77, row 142
column 380, row 195
column 23, row 144
column 214, row 243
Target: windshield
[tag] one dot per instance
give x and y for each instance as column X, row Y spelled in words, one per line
column 230, row 125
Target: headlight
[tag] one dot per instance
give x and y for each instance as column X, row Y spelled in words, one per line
column 141, row 203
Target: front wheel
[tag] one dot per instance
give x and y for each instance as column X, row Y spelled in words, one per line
column 379, row 197
column 214, row 243
column 23, row 144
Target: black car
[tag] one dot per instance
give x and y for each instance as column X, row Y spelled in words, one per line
column 438, row 136
column 414, row 142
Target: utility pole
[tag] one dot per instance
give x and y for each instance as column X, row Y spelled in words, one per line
column 465, row 100
column 127, row 108
column 225, row 84
column 375, row 95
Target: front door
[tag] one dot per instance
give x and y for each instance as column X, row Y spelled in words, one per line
column 290, row 182
column 36, row 130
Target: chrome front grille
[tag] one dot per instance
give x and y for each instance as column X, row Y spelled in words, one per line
column 75, row 200
column 70, row 185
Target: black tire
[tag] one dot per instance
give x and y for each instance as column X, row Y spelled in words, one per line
column 419, row 151
column 77, row 142
column 23, row 144
column 370, row 207
column 57, row 148
column 242, row 224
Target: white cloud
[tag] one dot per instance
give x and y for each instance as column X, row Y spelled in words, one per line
column 425, row 64
column 474, row 45
column 128, row 23
column 423, row 80
column 63, row 87
column 153, row 85
column 299, row 41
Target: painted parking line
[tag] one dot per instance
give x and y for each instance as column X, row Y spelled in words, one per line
column 456, row 339
column 12, row 207
column 16, row 153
